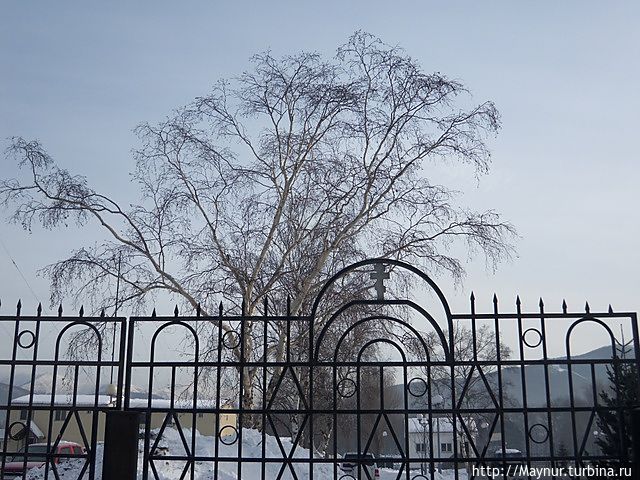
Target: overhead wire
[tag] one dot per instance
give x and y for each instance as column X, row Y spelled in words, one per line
column 15, row 264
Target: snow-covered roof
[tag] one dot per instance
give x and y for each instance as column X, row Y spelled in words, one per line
column 36, row 430
column 441, row 424
column 106, row 400
column 166, row 403
column 64, row 399
column 506, row 450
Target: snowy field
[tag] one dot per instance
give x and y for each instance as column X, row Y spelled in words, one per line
column 252, row 449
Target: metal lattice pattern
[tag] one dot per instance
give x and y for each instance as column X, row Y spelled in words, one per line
column 421, row 389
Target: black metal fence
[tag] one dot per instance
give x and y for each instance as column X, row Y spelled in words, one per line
column 374, row 387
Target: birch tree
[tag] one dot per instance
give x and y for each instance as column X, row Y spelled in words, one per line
column 272, row 182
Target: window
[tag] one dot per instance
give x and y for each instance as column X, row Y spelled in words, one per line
column 200, row 415
column 446, row 447
column 60, row 415
column 421, row 447
column 23, row 414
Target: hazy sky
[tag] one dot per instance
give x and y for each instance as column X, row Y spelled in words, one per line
column 564, row 76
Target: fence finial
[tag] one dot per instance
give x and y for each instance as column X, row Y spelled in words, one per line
column 220, row 308
column 153, row 314
column 243, row 307
column 175, row 311
column 81, row 312
column 518, row 300
column 541, row 303
column 198, row 310
column 18, row 307
column 102, row 314
column 265, row 303
column 587, row 309
column 39, row 310
column 610, row 309
column 564, row 306
column 495, row 300
column 60, row 310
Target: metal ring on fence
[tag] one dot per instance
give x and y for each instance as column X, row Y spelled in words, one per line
column 417, row 381
column 346, row 388
column 28, row 344
column 20, row 434
column 233, row 343
column 540, row 437
column 530, row 332
column 229, row 438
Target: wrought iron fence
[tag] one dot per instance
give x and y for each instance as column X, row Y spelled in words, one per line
column 354, row 386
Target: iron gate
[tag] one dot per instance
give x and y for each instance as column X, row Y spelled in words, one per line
column 374, row 385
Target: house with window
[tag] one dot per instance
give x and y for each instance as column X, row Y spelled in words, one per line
column 432, row 439
column 71, row 418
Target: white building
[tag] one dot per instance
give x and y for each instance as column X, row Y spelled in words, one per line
column 421, row 437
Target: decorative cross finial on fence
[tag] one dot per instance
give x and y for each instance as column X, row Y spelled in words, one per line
column 379, row 275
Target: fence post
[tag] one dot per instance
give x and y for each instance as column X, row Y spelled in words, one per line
column 120, row 461
column 635, row 440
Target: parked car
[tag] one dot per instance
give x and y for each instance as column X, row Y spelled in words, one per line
column 365, row 463
column 14, row 467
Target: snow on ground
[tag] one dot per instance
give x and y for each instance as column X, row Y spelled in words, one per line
column 205, row 446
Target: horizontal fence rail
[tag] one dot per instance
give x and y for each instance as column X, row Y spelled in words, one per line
column 374, row 386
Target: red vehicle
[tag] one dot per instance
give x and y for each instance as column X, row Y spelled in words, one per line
column 14, row 467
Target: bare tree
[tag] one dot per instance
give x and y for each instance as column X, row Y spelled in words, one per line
column 272, row 182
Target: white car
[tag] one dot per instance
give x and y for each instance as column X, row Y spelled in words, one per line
column 367, row 466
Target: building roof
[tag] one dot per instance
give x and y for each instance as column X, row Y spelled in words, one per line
column 108, row 401
column 179, row 403
column 441, row 424
column 64, row 399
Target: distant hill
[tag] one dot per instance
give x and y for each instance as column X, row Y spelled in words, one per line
column 534, row 382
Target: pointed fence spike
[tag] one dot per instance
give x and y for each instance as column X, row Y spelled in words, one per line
column 198, row 310
column 518, row 300
column 39, row 310
column 472, row 297
column 221, row 308
column 243, row 307
column 81, row 312
column 265, row 303
column 60, row 310
column 541, row 303
column 102, row 314
column 175, row 311
column 18, row 308
column 586, row 307
column 564, row 306
column 153, row 314
column 495, row 299
column 288, row 305
column 610, row 309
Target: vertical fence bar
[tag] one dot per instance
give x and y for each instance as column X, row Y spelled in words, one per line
column 547, row 381
column 120, row 461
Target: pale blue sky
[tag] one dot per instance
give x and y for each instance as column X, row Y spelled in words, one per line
column 563, row 74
